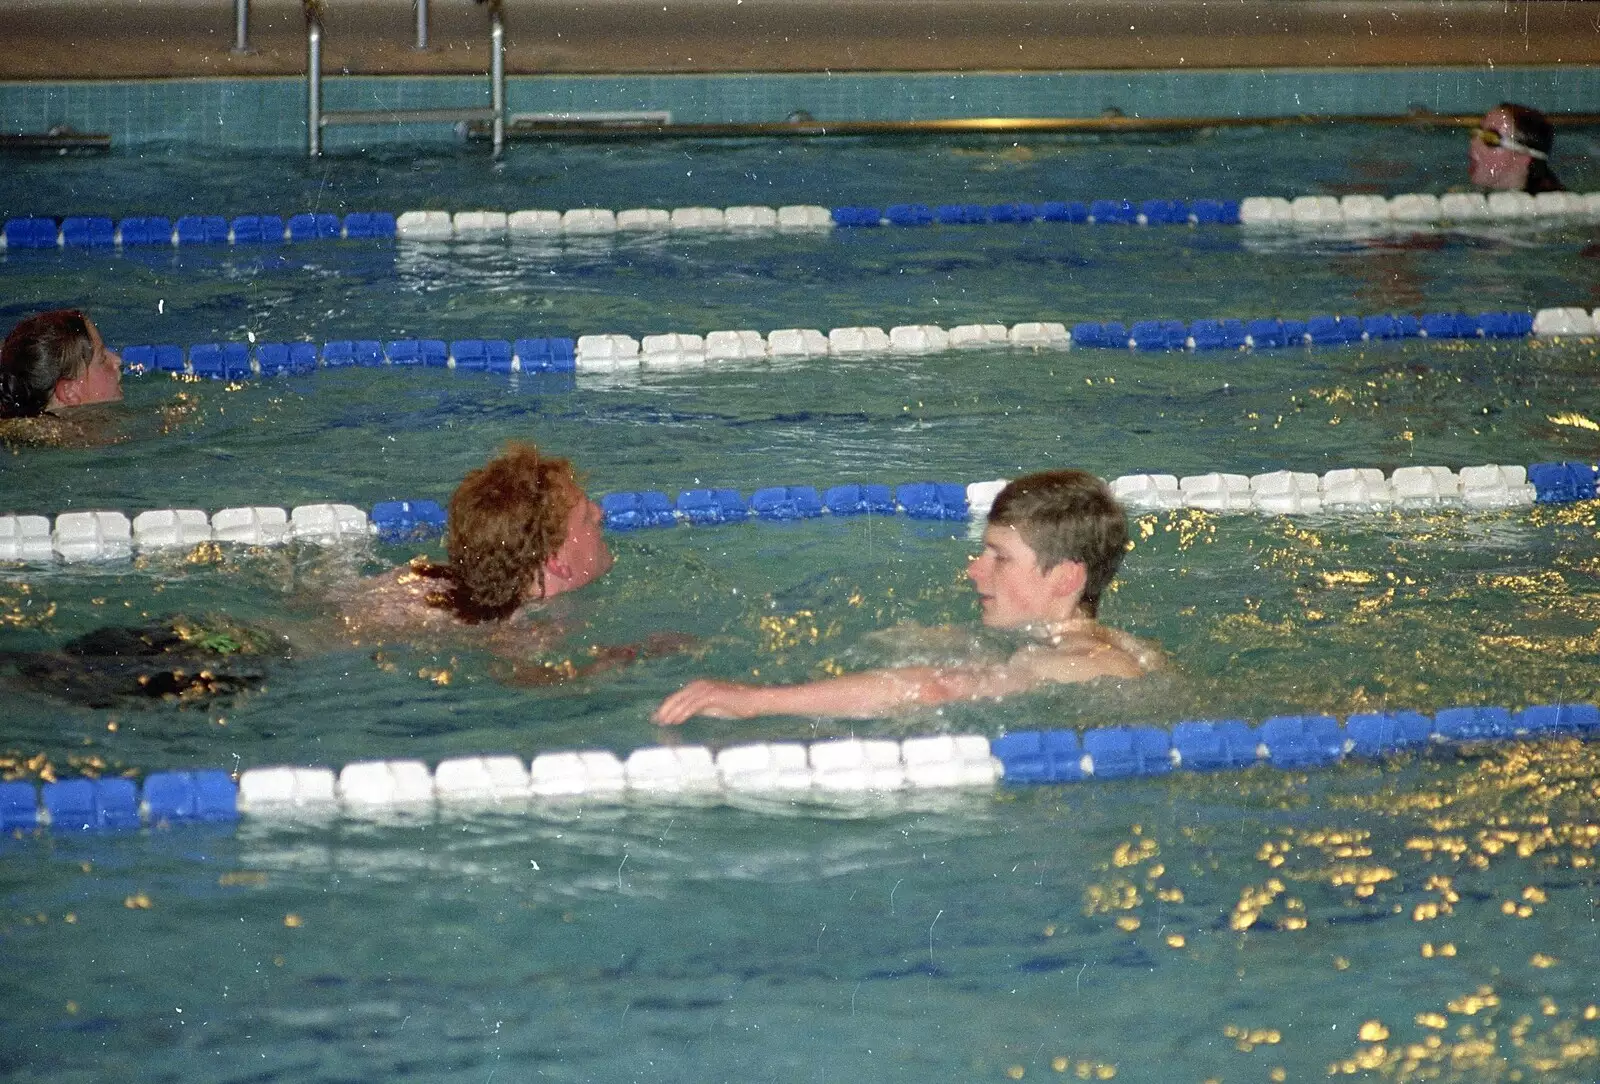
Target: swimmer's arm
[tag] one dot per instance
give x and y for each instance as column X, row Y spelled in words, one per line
column 868, row 695
column 876, row 693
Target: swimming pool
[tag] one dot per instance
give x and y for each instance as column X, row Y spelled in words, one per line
column 1387, row 918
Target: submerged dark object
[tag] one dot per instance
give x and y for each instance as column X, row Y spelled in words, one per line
column 62, row 139
column 174, row 660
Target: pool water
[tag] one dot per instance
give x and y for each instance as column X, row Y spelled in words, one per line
column 1428, row 917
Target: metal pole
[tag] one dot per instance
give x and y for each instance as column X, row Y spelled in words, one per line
column 497, row 79
column 313, row 83
column 422, row 24
column 241, row 26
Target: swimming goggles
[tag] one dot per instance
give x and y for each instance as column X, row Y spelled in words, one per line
column 1491, row 138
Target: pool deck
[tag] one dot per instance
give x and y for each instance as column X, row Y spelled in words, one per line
column 131, row 39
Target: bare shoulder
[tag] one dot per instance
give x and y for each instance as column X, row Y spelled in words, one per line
column 412, row 602
column 1093, row 651
column 400, row 600
column 48, row 431
column 1147, row 657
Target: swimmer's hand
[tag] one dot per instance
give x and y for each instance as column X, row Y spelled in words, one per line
column 718, row 699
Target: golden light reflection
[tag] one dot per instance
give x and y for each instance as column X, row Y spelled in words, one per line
column 1533, row 803
column 1574, row 419
column 779, row 632
column 1247, row 1039
column 18, row 610
column 1542, row 625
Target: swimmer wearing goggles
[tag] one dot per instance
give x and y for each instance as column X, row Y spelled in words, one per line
column 1510, row 150
column 1491, row 138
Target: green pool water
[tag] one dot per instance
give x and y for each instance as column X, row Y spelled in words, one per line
column 1428, row 917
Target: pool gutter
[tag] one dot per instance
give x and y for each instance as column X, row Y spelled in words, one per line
column 624, row 128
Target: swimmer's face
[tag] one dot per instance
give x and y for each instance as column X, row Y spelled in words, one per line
column 1012, row 590
column 100, row 381
column 584, row 556
column 1498, row 167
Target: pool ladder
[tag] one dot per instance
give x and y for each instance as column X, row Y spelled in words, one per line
column 317, row 117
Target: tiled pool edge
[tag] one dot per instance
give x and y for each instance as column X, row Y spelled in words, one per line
column 269, row 113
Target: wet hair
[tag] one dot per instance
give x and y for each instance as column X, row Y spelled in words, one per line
column 38, row 352
column 1533, row 130
column 507, row 518
column 1067, row 515
column 1531, row 127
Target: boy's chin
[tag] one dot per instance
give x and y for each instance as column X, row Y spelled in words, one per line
column 995, row 621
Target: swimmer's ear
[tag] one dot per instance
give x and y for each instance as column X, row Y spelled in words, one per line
column 1067, row 579
column 68, row 392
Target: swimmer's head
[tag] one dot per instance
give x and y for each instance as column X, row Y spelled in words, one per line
column 1510, row 150
column 53, row 360
column 520, row 529
column 1067, row 515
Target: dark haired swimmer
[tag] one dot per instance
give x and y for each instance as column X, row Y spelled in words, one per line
column 1510, row 151
column 54, row 361
column 1052, row 546
column 50, row 364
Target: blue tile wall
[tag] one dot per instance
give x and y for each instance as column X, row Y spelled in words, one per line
column 270, row 112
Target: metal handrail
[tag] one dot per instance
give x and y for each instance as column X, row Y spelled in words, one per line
column 317, row 117
column 314, row 76
column 241, row 26
column 497, row 75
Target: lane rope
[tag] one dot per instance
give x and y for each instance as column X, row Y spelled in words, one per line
column 110, row 535
column 834, row 769
column 1359, row 212
column 611, row 352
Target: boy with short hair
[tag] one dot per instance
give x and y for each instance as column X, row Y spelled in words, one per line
column 1053, row 543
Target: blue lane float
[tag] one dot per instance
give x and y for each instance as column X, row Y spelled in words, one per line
column 826, row 770
column 86, row 805
column 242, row 361
column 145, row 231
column 108, row 535
column 397, row 522
column 1285, row 741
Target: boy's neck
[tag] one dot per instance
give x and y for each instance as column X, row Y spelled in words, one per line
column 1054, row 631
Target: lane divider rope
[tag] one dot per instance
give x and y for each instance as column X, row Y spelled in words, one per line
column 1358, row 211
column 235, row 361
column 831, row 769
column 106, row 535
